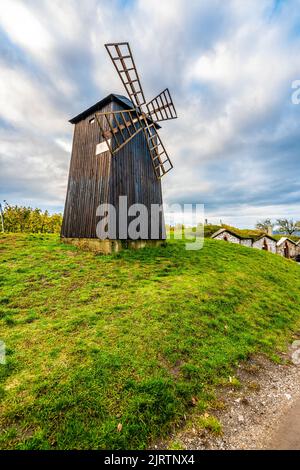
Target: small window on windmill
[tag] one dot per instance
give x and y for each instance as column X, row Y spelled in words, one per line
column 92, row 120
column 102, row 147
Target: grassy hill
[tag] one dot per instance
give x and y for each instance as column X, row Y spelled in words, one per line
column 112, row 351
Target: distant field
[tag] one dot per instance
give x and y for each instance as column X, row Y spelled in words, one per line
column 110, row 352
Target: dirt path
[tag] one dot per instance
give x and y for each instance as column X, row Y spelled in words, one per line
column 264, row 413
column 287, row 434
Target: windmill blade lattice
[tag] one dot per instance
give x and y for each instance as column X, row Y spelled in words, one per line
column 119, row 127
column 121, row 56
column 161, row 108
column 160, row 159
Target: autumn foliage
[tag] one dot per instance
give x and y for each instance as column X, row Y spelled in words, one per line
column 26, row 219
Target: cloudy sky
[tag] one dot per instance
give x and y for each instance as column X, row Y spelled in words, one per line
column 229, row 65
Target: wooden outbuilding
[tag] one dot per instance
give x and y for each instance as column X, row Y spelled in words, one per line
column 232, row 237
column 287, row 248
column 265, row 242
column 284, row 247
column 259, row 241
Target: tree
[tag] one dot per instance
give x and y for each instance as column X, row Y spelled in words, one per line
column 25, row 219
column 264, row 225
column 288, row 226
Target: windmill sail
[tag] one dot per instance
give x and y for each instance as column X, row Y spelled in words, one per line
column 121, row 56
column 160, row 159
column 161, row 108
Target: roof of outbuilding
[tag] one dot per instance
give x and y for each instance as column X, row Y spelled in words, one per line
column 121, row 100
column 254, row 236
column 285, row 239
column 231, row 232
column 221, row 230
column 264, row 235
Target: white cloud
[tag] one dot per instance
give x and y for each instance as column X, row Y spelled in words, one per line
column 25, row 104
column 32, row 169
column 24, row 28
column 65, row 144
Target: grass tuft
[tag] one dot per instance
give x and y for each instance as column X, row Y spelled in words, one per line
column 211, row 423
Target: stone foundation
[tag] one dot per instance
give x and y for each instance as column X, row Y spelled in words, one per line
column 107, row 247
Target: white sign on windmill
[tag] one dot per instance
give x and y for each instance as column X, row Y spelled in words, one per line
column 102, row 147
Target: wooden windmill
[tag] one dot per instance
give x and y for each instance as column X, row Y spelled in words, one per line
column 117, row 151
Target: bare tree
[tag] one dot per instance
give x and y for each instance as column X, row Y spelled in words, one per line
column 264, row 225
column 288, row 226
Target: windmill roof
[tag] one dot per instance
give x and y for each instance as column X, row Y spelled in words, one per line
column 121, row 100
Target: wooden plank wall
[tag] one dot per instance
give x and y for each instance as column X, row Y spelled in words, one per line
column 88, row 181
column 94, row 180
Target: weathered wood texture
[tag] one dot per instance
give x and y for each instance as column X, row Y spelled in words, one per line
column 97, row 179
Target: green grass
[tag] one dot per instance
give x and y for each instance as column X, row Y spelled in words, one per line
column 210, row 423
column 97, row 341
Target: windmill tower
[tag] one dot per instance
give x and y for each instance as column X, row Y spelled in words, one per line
column 117, row 153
